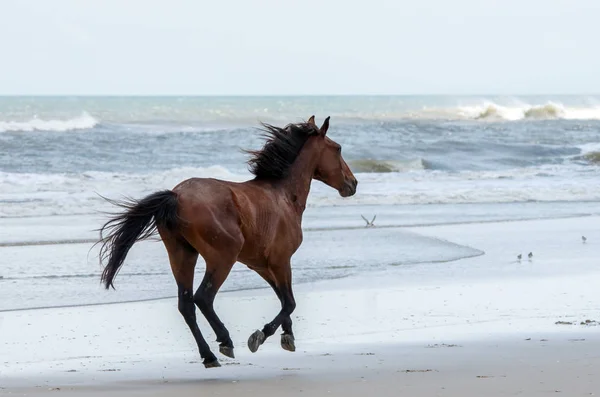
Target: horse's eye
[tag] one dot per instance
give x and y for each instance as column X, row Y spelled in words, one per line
column 339, row 149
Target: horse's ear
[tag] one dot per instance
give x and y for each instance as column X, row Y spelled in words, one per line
column 311, row 120
column 324, row 127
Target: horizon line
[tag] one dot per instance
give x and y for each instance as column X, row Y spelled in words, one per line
column 286, row 95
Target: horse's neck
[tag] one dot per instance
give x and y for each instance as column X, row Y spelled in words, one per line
column 297, row 184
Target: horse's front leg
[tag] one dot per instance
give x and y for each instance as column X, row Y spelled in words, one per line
column 280, row 280
column 287, row 338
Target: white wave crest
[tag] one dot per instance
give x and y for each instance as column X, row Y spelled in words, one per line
column 82, row 122
column 550, row 110
column 592, row 147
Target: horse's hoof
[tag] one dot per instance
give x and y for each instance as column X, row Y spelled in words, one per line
column 211, row 364
column 227, row 351
column 255, row 340
column 287, row 342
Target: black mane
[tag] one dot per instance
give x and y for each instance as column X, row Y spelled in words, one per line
column 282, row 147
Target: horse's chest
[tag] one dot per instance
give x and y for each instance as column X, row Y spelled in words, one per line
column 289, row 237
column 283, row 235
column 276, row 241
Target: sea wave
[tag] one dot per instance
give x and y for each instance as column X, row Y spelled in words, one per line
column 82, row 122
column 591, row 157
column 590, row 153
column 480, row 111
column 382, row 166
column 26, row 195
column 550, row 110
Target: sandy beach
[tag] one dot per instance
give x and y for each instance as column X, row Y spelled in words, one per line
column 483, row 325
column 564, row 364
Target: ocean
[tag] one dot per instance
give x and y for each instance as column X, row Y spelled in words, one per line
column 417, row 159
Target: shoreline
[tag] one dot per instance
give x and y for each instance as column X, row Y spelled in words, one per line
column 325, row 229
column 32, row 230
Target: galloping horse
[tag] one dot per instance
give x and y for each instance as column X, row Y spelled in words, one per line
column 256, row 222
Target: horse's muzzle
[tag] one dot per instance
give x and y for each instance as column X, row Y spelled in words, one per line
column 349, row 188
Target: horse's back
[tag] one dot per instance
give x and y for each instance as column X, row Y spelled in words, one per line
column 210, row 217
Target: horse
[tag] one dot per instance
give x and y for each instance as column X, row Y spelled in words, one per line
column 257, row 222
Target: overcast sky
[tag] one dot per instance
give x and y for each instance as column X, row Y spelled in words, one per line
column 285, row 47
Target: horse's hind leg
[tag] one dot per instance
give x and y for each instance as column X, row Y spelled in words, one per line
column 282, row 279
column 205, row 296
column 183, row 259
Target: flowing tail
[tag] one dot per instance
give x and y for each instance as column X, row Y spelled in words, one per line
column 138, row 222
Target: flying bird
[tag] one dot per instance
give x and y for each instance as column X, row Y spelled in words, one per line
column 369, row 224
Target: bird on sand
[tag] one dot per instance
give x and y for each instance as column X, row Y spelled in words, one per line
column 530, row 255
column 583, row 239
column 519, row 257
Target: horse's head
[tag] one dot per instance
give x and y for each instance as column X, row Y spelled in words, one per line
column 331, row 168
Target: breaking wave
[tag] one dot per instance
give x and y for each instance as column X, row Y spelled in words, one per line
column 82, row 122
column 590, row 153
column 548, row 111
column 592, row 157
column 383, row 166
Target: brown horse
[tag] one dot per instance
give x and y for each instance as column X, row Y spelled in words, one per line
column 257, row 223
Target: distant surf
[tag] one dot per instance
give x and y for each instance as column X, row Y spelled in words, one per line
column 216, row 115
column 82, row 122
column 548, row 111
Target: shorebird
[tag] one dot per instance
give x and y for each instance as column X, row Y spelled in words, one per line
column 583, row 239
column 369, row 224
column 519, row 257
column 530, row 255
